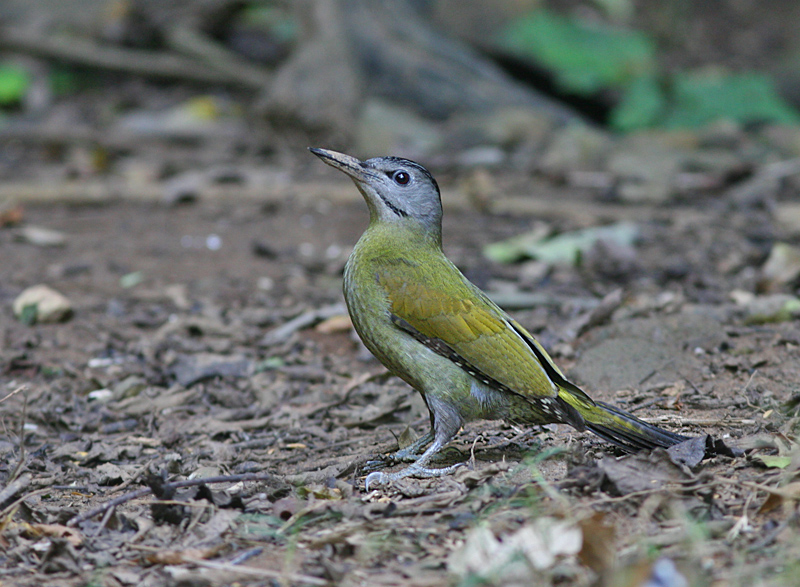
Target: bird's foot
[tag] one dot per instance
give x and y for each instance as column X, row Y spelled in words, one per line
column 380, row 478
column 408, row 454
column 390, row 459
column 371, row 466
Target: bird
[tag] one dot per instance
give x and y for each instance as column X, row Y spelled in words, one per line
column 430, row 326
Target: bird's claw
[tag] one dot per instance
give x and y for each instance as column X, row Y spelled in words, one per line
column 376, row 478
column 381, row 478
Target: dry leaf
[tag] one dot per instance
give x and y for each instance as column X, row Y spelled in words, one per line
column 72, row 535
column 598, row 551
column 340, row 323
column 518, row 558
column 779, row 495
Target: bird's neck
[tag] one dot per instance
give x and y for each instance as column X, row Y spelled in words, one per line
column 402, row 237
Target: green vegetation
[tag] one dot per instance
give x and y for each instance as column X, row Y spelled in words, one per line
column 587, row 58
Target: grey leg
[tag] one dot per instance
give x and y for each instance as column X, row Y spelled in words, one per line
column 410, row 452
column 446, row 424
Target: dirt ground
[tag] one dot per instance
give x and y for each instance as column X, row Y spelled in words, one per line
column 177, row 364
column 205, row 416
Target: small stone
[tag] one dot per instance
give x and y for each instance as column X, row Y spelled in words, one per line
column 769, row 309
column 782, row 266
column 42, row 237
column 100, row 395
column 41, row 304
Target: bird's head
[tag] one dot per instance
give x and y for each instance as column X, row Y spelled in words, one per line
column 396, row 190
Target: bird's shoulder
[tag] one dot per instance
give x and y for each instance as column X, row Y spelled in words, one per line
column 437, row 305
column 434, row 297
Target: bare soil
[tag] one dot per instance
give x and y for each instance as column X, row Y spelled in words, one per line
column 176, row 373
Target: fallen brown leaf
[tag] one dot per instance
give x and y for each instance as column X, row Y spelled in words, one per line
column 71, row 535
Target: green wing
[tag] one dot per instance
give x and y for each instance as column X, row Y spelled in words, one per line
column 442, row 306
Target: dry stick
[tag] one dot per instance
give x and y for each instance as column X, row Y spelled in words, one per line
column 742, row 522
column 103, row 522
column 137, row 61
column 174, row 485
column 20, row 463
column 232, row 566
column 191, row 41
column 747, row 399
column 10, row 507
column 284, row 331
column 17, row 485
column 135, row 477
column 255, row 572
column 13, row 393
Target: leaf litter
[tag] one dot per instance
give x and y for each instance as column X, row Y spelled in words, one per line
column 264, row 401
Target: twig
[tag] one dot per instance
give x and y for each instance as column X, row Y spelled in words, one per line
column 90, row 54
column 103, row 522
column 192, row 42
column 176, row 484
column 233, row 567
column 13, row 393
column 284, row 331
column 247, row 554
column 743, row 522
column 14, row 487
column 689, row 381
column 254, row 572
column 645, row 404
column 21, row 461
column 135, row 477
column 10, row 507
column 750, row 404
column 681, row 421
column 108, row 505
column 656, row 370
column 472, row 452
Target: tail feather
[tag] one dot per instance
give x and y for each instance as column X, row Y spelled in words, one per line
column 626, row 430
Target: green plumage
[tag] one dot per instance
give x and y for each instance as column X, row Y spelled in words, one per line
column 434, row 329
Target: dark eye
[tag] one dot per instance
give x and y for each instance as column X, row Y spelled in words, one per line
column 401, row 177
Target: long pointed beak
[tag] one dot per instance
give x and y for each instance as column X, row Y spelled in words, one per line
column 349, row 165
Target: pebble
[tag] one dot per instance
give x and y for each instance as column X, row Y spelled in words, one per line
column 42, row 237
column 42, row 304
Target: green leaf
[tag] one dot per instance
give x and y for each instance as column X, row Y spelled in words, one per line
column 775, row 461
column 269, row 364
column 29, row 314
column 131, row 279
column 14, row 83
column 643, row 104
column 64, row 81
column 563, row 249
column 585, row 57
column 277, row 21
column 699, row 98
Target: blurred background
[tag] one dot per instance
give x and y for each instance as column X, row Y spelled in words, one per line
column 621, row 175
column 142, row 90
